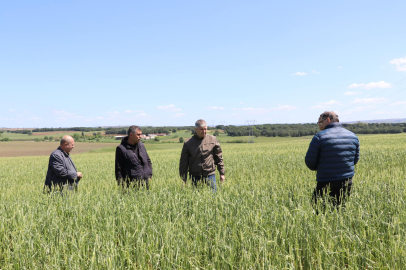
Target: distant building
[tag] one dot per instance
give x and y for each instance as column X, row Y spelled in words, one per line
column 119, row 137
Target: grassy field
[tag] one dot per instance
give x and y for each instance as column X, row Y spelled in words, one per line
column 260, row 218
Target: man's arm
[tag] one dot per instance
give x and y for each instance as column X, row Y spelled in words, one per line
column 60, row 169
column 119, row 165
column 357, row 150
column 148, row 160
column 184, row 162
column 312, row 155
column 218, row 160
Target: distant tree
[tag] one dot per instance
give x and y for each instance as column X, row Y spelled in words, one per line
column 46, row 138
column 181, row 140
column 83, row 134
column 216, row 133
column 5, row 139
column 174, row 130
column 156, row 139
column 76, row 136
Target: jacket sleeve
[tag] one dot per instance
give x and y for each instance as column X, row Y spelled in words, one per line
column 149, row 161
column 312, row 155
column 60, row 169
column 184, row 162
column 218, row 158
column 119, row 164
column 357, row 150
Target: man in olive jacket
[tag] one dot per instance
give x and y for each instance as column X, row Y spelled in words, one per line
column 61, row 170
column 133, row 165
column 200, row 156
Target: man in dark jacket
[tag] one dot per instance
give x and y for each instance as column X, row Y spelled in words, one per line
column 333, row 153
column 133, row 165
column 61, row 170
column 200, row 156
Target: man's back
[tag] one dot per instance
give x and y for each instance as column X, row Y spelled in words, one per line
column 333, row 152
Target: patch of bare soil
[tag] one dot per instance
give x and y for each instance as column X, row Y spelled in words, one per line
column 31, row 148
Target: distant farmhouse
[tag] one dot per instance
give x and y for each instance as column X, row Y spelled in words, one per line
column 143, row 136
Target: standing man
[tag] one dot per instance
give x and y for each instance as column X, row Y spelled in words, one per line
column 133, row 165
column 333, row 153
column 200, row 156
column 61, row 170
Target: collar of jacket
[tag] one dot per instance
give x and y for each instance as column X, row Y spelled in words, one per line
column 197, row 138
column 66, row 154
column 333, row 125
column 125, row 143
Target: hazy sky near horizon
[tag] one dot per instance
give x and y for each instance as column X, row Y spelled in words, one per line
column 161, row 63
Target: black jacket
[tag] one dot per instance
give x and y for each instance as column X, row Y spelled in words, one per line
column 132, row 161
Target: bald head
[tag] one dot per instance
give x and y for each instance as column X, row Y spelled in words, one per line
column 67, row 143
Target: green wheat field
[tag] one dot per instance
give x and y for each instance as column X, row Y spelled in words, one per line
column 260, row 218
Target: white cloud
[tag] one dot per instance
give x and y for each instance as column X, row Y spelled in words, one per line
column 214, row 108
column 142, row 114
column 100, row 118
column 34, row 118
column 12, row 110
column 349, row 93
column 398, row 103
column 130, row 111
column 177, row 115
column 340, row 67
column 369, row 100
column 249, row 109
column 326, row 104
column 400, row 63
column 241, row 102
column 63, row 113
column 384, row 112
column 284, row 108
column 371, row 85
column 315, row 72
column 169, row 108
column 300, row 73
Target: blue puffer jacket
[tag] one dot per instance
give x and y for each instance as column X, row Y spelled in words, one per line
column 333, row 152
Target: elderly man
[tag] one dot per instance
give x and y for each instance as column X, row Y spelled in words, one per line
column 200, row 156
column 333, row 153
column 61, row 170
column 133, row 165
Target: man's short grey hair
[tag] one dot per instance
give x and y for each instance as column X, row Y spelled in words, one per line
column 330, row 114
column 133, row 129
column 200, row 123
column 66, row 139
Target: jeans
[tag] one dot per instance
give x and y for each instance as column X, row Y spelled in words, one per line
column 337, row 192
column 208, row 180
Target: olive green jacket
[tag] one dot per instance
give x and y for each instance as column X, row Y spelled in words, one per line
column 200, row 157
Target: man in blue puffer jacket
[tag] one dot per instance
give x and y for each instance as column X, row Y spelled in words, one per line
column 333, row 153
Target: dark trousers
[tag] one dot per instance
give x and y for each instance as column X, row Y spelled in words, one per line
column 134, row 183
column 336, row 192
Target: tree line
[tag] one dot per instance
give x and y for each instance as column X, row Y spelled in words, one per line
column 298, row 130
column 149, row 130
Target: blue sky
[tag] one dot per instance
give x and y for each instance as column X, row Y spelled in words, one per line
column 102, row 63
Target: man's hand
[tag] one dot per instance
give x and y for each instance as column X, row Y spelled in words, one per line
column 79, row 175
column 222, row 178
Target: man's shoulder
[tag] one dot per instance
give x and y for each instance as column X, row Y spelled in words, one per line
column 211, row 138
column 57, row 152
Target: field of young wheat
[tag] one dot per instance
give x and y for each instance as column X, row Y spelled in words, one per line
column 260, row 218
